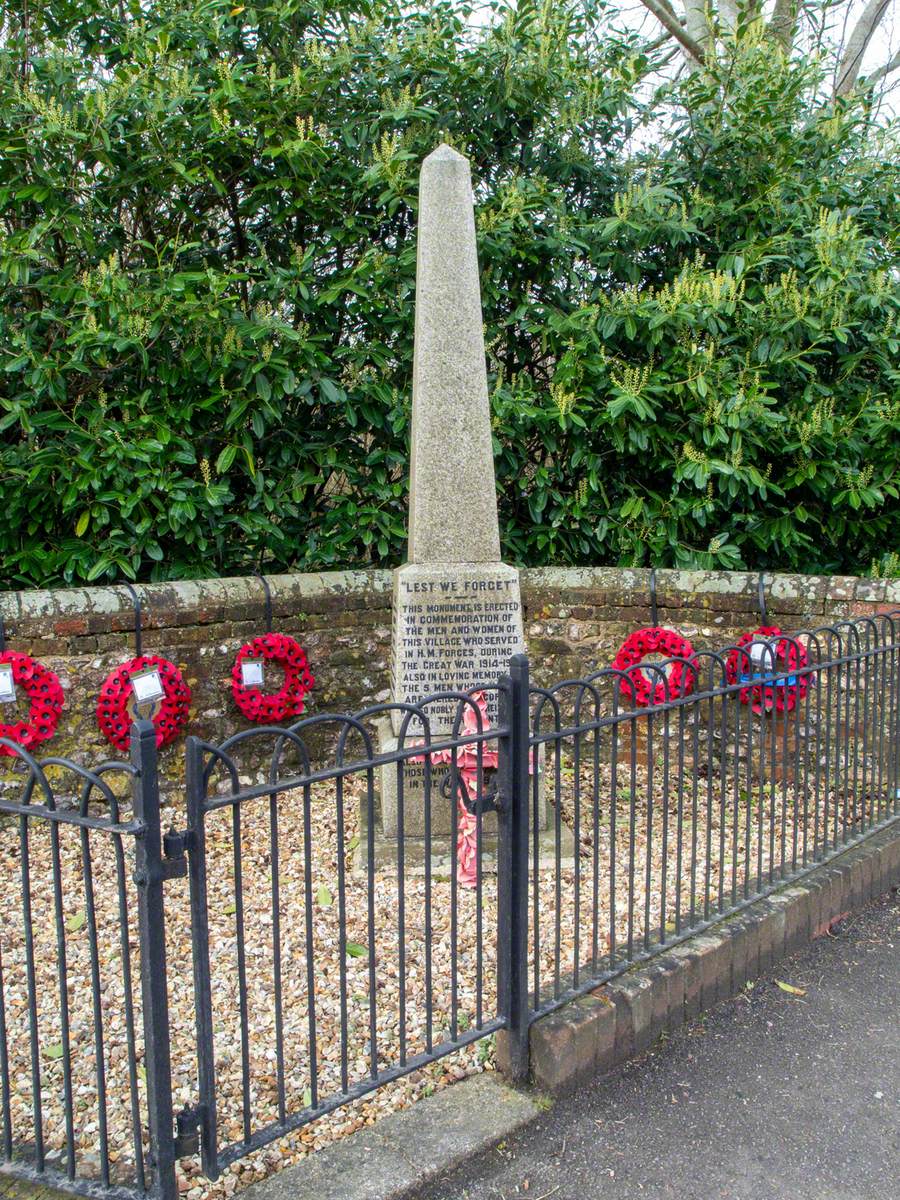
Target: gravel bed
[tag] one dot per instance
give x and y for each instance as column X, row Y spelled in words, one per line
column 309, row 871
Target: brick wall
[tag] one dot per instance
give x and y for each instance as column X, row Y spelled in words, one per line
column 575, row 619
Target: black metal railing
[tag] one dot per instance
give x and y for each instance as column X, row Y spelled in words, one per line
column 682, row 812
column 428, row 886
column 83, row 1056
column 376, row 957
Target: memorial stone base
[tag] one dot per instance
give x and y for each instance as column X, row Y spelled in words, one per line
column 443, row 812
column 443, row 820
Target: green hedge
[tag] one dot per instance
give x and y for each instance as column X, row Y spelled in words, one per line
column 208, row 260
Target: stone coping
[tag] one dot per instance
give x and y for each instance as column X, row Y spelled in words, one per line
column 91, row 610
column 396, row 1157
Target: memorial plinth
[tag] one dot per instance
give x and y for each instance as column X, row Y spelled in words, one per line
column 455, row 628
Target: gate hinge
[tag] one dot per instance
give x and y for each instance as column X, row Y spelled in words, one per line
column 187, row 1130
column 174, row 864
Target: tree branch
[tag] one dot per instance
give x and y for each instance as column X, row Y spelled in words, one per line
column 666, row 15
column 857, row 44
column 869, row 81
column 783, row 22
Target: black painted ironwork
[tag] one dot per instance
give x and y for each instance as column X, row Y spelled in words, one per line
column 293, row 784
column 660, row 821
column 489, row 800
column 78, row 820
column 685, row 812
column 138, row 631
column 267, row 593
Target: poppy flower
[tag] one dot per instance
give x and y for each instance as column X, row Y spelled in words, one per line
column 287, row 653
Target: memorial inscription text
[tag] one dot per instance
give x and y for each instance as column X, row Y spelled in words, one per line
column 455, row 633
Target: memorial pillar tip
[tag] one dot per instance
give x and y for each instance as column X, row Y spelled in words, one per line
column 453, row 492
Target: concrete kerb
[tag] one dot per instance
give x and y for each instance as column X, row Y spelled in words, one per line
column 691, row 977
column 399, row 1155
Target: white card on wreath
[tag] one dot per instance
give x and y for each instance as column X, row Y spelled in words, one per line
column 7, row 684
column 252, row 674
column 147, row 686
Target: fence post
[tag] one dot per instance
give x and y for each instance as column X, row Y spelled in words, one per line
column 206, row 1067
column 512, row 863
column 149, row 875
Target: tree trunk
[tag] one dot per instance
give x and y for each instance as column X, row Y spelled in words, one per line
column 859, row 40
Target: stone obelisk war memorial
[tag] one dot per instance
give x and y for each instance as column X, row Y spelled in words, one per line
column 457, row 613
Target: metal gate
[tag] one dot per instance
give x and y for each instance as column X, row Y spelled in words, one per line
column 329, row 960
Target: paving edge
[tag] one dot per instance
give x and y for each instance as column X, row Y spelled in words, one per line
column 400, row 1154
column 623, row 1018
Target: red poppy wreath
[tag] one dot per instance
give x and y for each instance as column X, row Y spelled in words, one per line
column 118, row 694
column 248, row 678
column 680, row 675
column 45, row 696
column 743, row 666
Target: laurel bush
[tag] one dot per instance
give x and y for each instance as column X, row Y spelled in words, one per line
column 207, row 263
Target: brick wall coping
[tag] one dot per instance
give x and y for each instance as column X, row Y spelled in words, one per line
column 74, row 611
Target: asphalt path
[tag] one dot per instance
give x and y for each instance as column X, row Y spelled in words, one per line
column 771, row 1096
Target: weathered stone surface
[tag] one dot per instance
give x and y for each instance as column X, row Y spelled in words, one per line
column 455, row 627
column 571, row 1045
column 552, row 1051
column 661, row 972
column 457, row 610
column 404, row 1151
column 708, row 949
column 691, row 972
column 771, row 935
column 403, row 793
column 739, row 950
column 453, row 494
column 633, row 997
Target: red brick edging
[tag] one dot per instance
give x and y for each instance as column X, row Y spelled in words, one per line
column 623, row 1018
